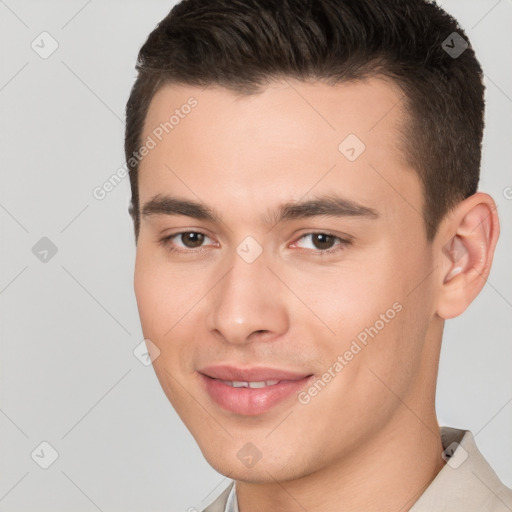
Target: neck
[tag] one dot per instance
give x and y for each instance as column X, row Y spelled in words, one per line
column 388, row 473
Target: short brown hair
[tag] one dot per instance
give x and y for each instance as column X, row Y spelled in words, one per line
column 244, row 44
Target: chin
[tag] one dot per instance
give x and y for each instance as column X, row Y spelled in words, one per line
column 248, row 464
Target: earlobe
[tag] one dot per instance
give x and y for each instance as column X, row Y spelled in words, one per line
column 470, row 236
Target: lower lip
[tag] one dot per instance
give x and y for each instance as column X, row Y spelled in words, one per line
column 251, row 401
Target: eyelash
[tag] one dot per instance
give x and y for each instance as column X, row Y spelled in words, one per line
column 343, row 242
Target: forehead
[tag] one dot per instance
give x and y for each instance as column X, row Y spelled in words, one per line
column 290, row 139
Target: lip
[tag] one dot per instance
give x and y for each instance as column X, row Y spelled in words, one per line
column 250, row 401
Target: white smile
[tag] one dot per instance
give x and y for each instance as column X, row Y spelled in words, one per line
column 255, row 384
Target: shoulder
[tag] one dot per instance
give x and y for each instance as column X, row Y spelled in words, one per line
column 467, row 483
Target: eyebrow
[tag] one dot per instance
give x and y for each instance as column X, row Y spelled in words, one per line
column 329, row 205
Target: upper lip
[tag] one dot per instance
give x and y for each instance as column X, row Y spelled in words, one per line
column 253, row 374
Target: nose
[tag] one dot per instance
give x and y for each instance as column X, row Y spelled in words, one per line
column 248, row 304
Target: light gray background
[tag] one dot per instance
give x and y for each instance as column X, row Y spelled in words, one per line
column 69, row 326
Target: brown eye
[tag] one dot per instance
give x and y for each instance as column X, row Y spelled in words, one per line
column 192, row 240
column 323, row 243
column 323, row 240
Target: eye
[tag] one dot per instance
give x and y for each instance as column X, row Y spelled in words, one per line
column 185, row 240
column 322, row 242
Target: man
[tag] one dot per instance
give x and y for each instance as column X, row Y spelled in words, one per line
column 304, row 194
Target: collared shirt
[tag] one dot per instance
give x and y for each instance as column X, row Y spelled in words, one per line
column 465, row 484
column 232, row 502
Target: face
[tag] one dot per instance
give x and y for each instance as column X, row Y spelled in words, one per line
column 282, row 272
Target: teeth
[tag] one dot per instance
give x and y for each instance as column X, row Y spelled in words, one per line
column 257, row 385
column 252, row 385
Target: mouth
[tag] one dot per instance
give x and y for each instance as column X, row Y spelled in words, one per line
column 250, row 391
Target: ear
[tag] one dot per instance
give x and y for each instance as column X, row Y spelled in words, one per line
column 465, row 246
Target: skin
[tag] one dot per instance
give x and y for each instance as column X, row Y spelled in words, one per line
column 370, row 439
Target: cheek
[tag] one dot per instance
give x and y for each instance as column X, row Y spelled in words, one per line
column 160, row 310
column 169, row 299
column 367, row 311
column 164, row 294
column 349, row 298
column 149, row 294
